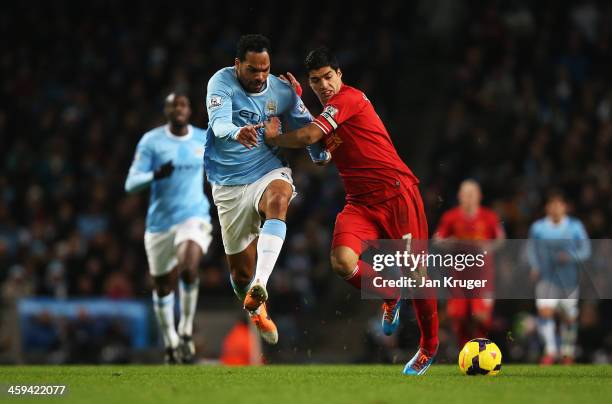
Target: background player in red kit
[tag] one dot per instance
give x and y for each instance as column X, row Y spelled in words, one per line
column 382, row 197
column 471, row 318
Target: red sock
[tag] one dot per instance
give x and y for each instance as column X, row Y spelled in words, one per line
column 482, row 328
column 365, row 272
column 426, row 311
column 460, row 328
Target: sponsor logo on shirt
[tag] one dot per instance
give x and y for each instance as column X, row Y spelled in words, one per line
column 249, row 116
column 187, row 167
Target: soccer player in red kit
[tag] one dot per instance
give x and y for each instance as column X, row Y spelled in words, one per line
column 470, row 221
column 382, row 196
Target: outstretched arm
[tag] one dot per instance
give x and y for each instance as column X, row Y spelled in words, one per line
column 141, row 172
column 139, row 180
column 294, row 139
column 299, row 116
column 583, row 244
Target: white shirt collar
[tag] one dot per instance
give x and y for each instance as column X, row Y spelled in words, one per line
column 181, row 138
column 562, row 223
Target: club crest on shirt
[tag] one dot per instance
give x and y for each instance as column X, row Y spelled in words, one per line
column 271, row 107
column 199, row 151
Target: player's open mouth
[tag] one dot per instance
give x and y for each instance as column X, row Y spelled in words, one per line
column 328, row 93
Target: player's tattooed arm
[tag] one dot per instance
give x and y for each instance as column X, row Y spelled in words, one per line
column 295, row 139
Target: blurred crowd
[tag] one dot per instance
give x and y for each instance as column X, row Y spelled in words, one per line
column 527, row 104
column 530, row 109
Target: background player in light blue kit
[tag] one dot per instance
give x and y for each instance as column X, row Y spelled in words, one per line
column 558, row 246
column 169, row 160
column 249, row 178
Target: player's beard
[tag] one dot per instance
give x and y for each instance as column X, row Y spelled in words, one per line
column 255, row 87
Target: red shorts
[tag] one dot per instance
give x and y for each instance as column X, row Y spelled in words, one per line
column 391, row 219
column 462, row 308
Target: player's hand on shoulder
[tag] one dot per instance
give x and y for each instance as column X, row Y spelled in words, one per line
column 272, row 130
column 289, row 78
column 164, row 171
column 247, row 135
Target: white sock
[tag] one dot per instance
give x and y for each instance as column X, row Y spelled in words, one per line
column 569, row 334
column 269, row 247
column 164, row 312
column 546, row 329
column 188, row 295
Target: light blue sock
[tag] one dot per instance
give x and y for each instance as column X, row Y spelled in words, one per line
column 269, row 246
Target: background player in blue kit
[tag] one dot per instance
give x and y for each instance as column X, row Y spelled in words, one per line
column 559, row 245
column 169, row 160
column 250, row 180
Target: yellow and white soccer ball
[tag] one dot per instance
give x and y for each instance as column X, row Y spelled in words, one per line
column 480, row 356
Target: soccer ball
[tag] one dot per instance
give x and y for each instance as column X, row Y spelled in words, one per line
column 480, row 356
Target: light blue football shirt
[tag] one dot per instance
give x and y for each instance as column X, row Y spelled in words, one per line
column 547, row 240
column 181, row 195
column 230, row 107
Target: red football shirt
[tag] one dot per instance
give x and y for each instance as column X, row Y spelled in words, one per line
column 484, row 225
column 361, row 148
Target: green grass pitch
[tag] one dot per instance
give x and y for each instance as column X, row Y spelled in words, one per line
column 135, row 384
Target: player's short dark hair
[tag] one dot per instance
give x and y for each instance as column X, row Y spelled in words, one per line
column 319, row 58
column 252, row 43
column 169, row 99
column 555, row 194
column 176, row 94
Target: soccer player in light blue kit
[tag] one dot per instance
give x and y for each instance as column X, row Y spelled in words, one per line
column 250, row 180
column 558, row 246
column 169, row 161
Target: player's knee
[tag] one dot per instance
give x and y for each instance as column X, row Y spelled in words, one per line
column 546, row 312
column 188, row 268
column 342, row 264
column 189, row 274
column 163, row 288
column 277, row 205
